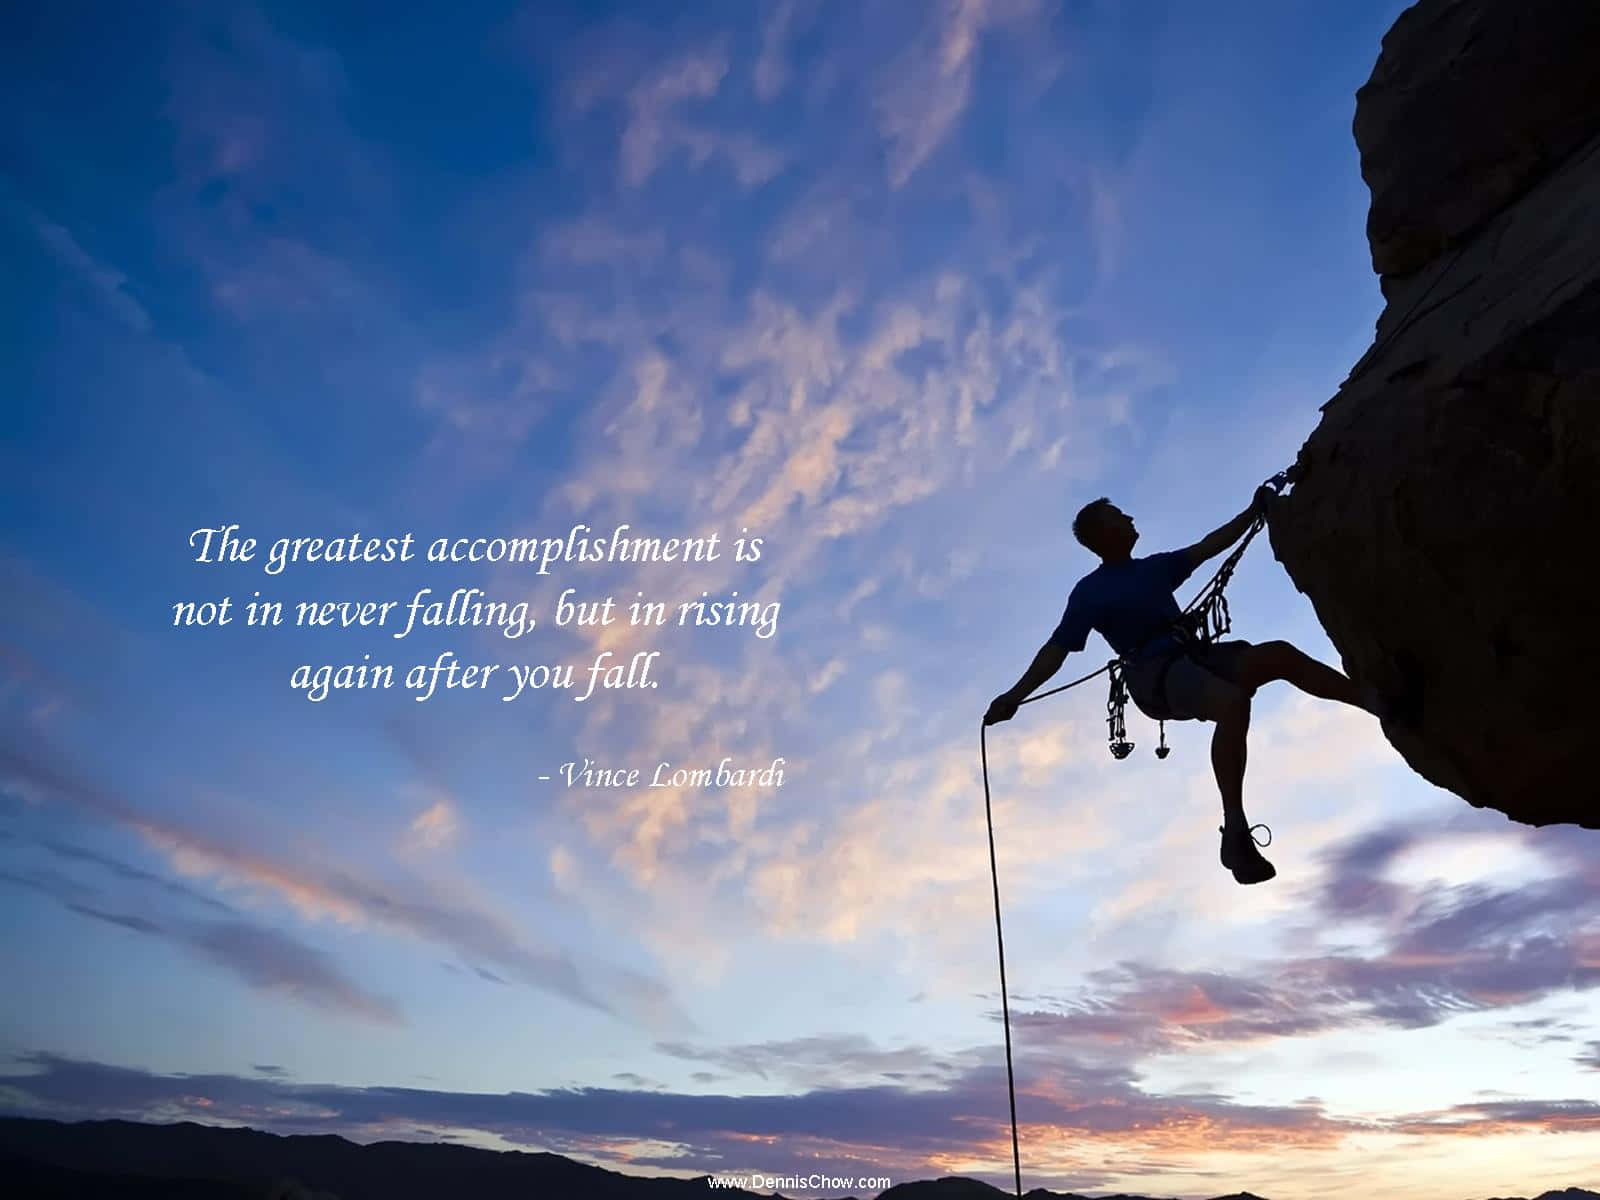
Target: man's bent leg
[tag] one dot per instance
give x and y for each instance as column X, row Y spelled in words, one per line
column 1267, row 661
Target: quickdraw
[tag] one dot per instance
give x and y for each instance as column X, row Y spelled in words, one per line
column 1116, row 710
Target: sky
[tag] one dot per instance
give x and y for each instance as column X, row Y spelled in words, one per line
column 893, row 287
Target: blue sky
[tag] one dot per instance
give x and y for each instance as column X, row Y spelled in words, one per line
column 895, row 287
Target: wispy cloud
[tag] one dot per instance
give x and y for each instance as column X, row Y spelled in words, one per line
column 436, row 826
column 106, row 284
column 272, row 961
column 263, row 958
column 122, row 870
column 323, row 892
column 658, row 104
column 927, row 89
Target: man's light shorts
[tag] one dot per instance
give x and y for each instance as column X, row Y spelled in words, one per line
column 1200, row 685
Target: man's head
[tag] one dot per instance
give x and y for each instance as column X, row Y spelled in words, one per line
column 1104, row 528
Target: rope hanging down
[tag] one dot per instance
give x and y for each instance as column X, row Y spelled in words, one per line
column 1204, row 620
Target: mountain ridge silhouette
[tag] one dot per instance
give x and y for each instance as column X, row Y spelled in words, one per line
column 134, row 1160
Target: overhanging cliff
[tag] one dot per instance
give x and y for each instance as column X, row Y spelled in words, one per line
column 1444, row 521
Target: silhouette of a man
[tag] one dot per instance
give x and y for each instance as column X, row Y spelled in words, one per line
column 1129, row 602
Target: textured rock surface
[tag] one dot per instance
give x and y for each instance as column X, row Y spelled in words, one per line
column 1470, row 103
column 1444, row 523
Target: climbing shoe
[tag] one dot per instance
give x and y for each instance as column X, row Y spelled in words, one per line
column 1239, row 854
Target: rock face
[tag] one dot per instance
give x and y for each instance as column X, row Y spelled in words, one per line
column 1444, row 522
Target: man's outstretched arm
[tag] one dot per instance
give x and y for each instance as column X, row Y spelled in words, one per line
column 1220, row 538
column 1045, row 664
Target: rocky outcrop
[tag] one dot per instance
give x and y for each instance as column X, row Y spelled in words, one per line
column 1471, row 102
column 1444, row 521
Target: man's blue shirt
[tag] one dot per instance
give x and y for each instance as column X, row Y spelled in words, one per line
column 1128, row 603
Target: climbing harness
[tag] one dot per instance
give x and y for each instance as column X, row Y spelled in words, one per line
column 1205, row 620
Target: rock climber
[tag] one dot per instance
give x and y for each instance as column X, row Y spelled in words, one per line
column 1170, row 675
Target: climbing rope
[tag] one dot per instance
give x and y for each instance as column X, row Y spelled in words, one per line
column 1205, row 619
